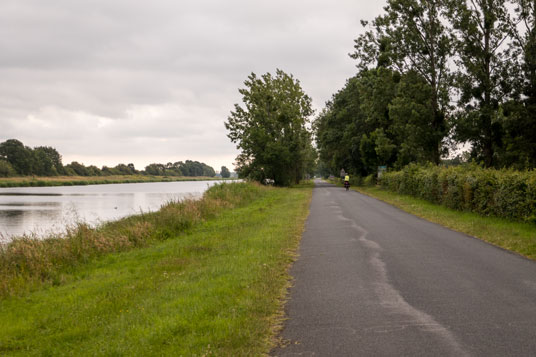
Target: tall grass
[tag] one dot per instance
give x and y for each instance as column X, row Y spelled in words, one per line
column 27, row 263
column 216, row 289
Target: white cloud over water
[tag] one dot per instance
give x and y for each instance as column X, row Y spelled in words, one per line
column 122, row 81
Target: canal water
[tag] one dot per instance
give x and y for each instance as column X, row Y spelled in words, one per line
column 41, row 211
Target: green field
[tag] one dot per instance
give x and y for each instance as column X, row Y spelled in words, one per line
column 519, row 237
column 214, row 287
column 36, row 181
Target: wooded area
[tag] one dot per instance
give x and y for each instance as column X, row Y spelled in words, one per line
column 16, row 159
column 434, row 76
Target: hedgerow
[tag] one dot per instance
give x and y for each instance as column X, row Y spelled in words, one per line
column 502, row 193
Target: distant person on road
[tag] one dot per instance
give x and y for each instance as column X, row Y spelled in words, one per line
column 347, row 182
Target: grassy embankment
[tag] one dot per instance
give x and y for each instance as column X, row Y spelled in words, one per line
column 195, row 278
column 31, row 181
column 519, row 237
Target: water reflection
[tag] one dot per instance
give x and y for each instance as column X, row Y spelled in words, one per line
column 28, row 194
column 40, row 211
column 28, row 204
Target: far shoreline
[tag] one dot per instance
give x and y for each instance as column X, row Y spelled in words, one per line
column 39, row 181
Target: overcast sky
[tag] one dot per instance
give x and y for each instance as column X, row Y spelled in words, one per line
column 117, row 81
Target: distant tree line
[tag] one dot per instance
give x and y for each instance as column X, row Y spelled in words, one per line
column 16, row 159
column 187, row 168
column 434, row 74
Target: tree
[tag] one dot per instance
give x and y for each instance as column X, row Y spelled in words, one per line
column 42, row 165
column 412, row 37
column 271, row 129
column 398, row 109
column 50, row 159
column 179, row 168
column 380, row 117
column 78, row 168
column 6, row 170
column 123, row 169
column 155, row 169
column 410, row 112
column 519, row 115
column 19, row 156
column 322, row 170
column 310, row 156
column 225, row 173
column 208, row 171
column 93, row 170
column 195, row 168
column 334, row 131
column 354, row 130
column 482, row 28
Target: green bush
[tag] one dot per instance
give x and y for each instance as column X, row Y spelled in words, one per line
column 502, row 193
column 6, row 170
column 356, row 180
column 370, row 180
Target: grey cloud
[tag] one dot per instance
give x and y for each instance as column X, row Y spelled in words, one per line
column 102, row 79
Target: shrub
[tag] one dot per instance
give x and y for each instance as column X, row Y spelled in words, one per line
column 356, row 180
column 6, row 170
column 370, row 180
column 502, row 193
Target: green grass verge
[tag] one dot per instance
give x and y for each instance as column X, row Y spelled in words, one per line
column 515, row 236
column 27, row 263
column 35, row 181
column 217, row 289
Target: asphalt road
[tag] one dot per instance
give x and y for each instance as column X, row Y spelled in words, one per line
column 372, row 280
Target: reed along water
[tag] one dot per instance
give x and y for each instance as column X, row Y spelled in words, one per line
column 41, row 211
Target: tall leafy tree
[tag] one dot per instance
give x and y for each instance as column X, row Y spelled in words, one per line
column 6, row 170
column 410, row 112
column 196, row 168
column 310, row 157
column 78, row 168
column 398, row 109
column 412, row 37
column 379, row 118
column 94, row 170
column 519, row 121
column 155, row 169
column 354, row 131
column 338, row 130
column 20, row 157
column 123, row 169
column 48, row 160
column 270, row 128
column 225, row 173
column 523, row 46
column 482, row 28
column 179, row 168
column 42, row 164
column 378, row 146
